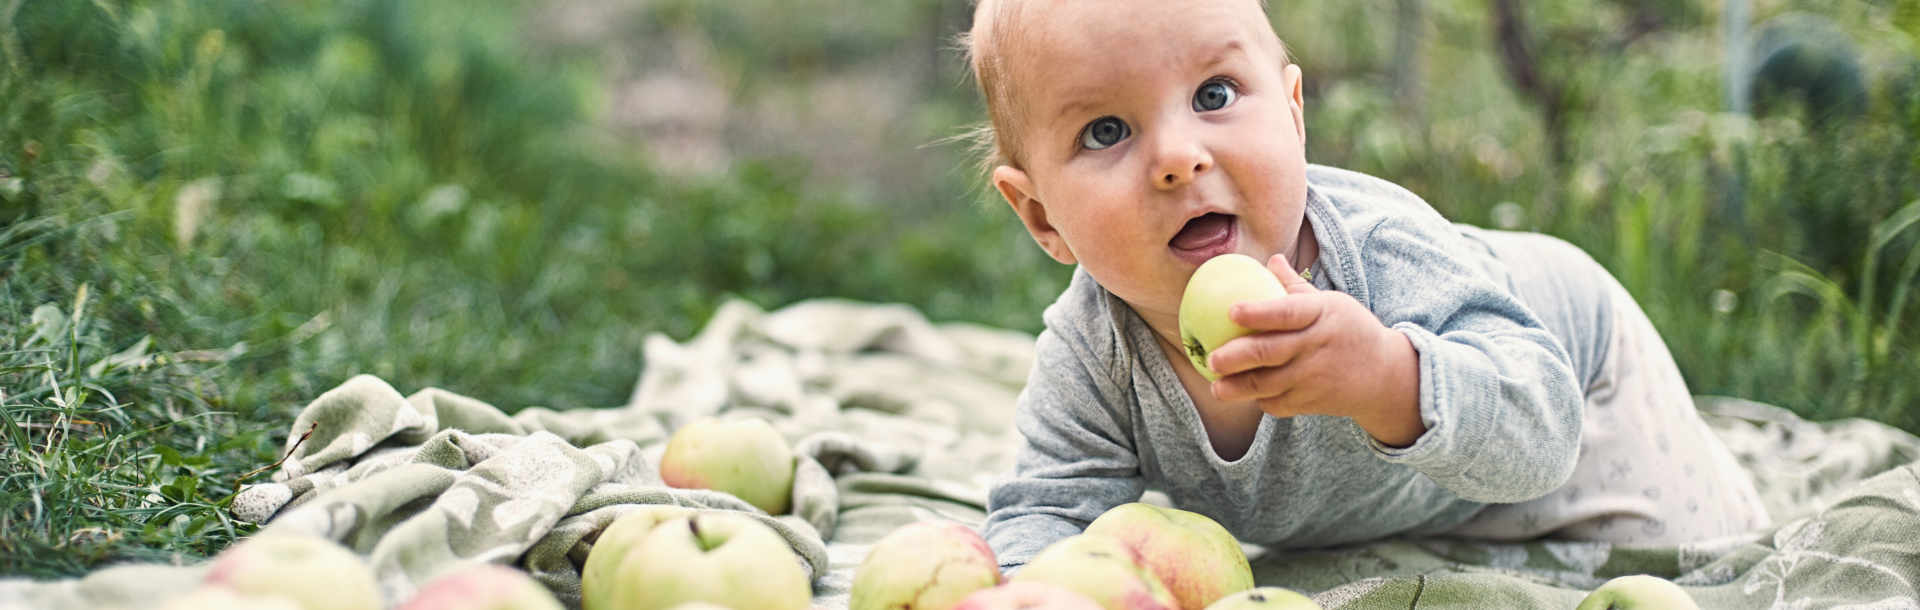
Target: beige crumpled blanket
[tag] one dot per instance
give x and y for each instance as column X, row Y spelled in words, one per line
column 898, row 420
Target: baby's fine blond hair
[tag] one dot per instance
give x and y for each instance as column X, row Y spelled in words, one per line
column 995, row 36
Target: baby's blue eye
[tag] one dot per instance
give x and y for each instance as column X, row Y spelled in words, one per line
column 1103, row 132
column 1214, row 95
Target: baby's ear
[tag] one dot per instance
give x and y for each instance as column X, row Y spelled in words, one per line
column 1017, row 188
column 1294, row 78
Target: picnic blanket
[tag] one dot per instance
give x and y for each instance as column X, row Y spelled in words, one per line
column 897, row 419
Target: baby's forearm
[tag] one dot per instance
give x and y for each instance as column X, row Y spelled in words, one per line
column 1394, row 418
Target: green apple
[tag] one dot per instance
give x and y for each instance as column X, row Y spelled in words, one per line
column 1196, row 558
column 314, row 572
column 1214, row 288
column 1101, row 568
column 1265, row 598
column 483, row 586
column 597, row 577
column 924, row 565
column 744, row 457
column 726, row 559
column 1638, row 592
column 217, row 598
column 1027, row 596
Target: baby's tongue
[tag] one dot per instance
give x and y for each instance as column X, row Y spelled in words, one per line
column 1202, row 232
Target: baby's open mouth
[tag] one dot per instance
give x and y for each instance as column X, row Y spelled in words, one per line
column 1207, row 230
column 1205, row 237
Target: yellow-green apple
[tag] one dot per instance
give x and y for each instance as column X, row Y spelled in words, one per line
column 483, row 586
column 1638, row 592
column 1265, row 598
column 924, row 565
column 726, row 559
column 744, row 457
column 598, row 576
column 1101, row 568
column 217, row 598
column 700, row 606
column 1212, row 290
column 1196, row 558
column 1027, row 596
column 313, row 572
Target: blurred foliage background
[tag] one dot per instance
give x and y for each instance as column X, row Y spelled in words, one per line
column 213, row 210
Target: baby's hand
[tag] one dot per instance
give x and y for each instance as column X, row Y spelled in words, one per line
column 1321, row 353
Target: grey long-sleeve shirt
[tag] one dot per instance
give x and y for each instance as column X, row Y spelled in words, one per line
column 1105, row 417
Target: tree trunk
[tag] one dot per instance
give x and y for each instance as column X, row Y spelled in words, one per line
column 1522, row 61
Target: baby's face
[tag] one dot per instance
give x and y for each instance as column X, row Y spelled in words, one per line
column 1154, row 135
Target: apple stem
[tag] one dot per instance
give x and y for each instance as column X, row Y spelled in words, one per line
column 694, row 524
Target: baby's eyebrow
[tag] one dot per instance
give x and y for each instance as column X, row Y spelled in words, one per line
column 1079, row 102
column 1224, row 52
column 1082, row 99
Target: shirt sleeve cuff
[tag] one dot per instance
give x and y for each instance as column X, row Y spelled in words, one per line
column 1457, row 382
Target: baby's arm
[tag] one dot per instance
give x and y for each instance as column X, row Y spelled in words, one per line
column 1497, row 392
column 1077, row 459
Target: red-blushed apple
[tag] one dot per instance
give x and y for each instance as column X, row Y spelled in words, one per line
column 924, row 565
column 1213, row 289
column 726, row 559
column 1027, row 596
column 744, row 457
column 1196, row 558
column 1638, row 592
column 314, row 572
column 483, row 586
column 597, row 577
column 217, row 598
column 1265, row 598
column 1101, row 568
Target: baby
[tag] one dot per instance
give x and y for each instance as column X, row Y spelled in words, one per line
column 1420, row 378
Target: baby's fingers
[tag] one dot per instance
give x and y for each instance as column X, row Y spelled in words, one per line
column 1288, row 313
column 1258, row 350
column 1264, row 383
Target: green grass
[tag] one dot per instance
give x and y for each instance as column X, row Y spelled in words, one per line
column 215, row 210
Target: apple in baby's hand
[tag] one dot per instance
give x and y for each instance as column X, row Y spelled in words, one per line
column 1265, row 598
column 744, row 457
column 924, row 565
column 1101, row 568
column 599, row 576
column 1638, row 592
column 313, row 572
column 726, row 559
column 483, row 586
column 1196, row 558
column 1027, row 596
column 1212, row 290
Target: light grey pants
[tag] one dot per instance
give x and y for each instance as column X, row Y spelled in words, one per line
column 1650, row 470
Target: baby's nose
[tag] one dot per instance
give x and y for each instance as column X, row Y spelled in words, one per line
column 1183, row 169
